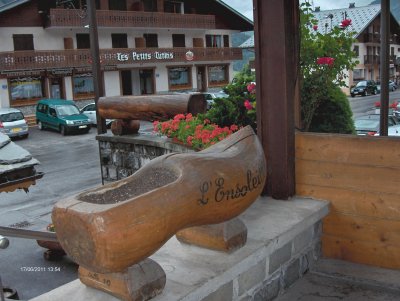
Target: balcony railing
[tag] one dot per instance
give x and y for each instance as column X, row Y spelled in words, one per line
column 111, row 58
column 376, row 38
column 109, row 18
column 372, row 38
column 373, row 59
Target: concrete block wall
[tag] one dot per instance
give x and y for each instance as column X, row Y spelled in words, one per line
column 284, row 241
column 276, row 272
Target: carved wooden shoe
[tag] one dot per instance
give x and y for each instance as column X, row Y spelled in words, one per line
column 110, row 228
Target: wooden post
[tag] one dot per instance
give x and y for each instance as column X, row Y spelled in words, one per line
column 96, row 71
column 277, row 54
column 384, row 67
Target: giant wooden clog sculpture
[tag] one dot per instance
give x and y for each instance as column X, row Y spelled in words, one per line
column 109, row 229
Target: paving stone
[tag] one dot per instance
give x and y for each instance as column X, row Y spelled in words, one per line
column 225, row 292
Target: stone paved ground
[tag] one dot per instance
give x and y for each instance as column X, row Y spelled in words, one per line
column 339, row 280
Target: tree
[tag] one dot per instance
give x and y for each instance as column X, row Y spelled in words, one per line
column 325, row 59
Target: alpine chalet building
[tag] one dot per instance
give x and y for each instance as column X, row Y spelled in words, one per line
column 146, row 47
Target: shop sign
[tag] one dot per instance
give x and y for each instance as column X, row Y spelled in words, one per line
column 144, row 56
column 189, row 56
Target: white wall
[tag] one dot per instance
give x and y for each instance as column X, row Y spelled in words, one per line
column 4, row 96
column 68, row 87
column 111, row 81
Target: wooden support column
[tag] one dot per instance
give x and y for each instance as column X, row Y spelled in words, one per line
column 277, row 57
column 384, row 67
column 96, row 68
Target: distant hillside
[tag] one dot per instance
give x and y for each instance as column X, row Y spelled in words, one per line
column 394, row 8
column 237, row 40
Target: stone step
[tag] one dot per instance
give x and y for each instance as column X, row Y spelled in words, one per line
column 31, row 120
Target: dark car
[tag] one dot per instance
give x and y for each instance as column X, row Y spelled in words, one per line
column 364, row 88
column 369, row 124
column 62, row 115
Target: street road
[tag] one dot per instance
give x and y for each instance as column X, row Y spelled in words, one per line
column 361, row 105
column 70, row 165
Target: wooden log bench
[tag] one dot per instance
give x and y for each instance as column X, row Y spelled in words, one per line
column 111, row 231
column 128, row 110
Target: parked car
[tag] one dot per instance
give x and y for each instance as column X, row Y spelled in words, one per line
column 61, row 115
column 90, row 111
column 364, row 88
column 369, row 124
column 13, row 123
column 392, row 86
column 210, row 97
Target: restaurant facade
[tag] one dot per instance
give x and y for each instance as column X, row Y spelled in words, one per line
column 146, row 47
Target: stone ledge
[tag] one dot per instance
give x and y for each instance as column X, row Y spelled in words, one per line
column 198, row 274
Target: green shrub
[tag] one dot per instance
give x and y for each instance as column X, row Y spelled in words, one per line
column 333, row 115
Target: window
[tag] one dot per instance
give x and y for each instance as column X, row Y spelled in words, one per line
column 178, row 40
column 357, row 50
column 82, row 41
column 83, row 86
column 151, row 40
column 23, row 42
column 218, row 75
column 173, row 7
column 117, row 5
column 391, row 50
column 119, row 40
column 180, row 78
column 27, row 88
column 358, row 74
column 150, row 5
column 213, row 40
column 42, row 108
column 226, row 41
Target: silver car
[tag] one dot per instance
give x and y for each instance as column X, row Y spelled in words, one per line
column 13, row 123
column 90, row 111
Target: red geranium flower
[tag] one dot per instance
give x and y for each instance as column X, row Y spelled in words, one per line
column 315, row 27
column 248, row 105
column 345, row 23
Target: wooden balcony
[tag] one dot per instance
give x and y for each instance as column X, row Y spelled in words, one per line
column 372, row 38
column 111, row 58
column 107, row 18
column 375, row 59
column 372, row 59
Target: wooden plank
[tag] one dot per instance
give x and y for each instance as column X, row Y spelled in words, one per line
column 358, row 150
column 346, row 176
column 361, row 228
column 377, row 254
column 361, row 202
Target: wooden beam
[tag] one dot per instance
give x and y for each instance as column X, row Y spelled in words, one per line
column 277, row 59
column 384, row 67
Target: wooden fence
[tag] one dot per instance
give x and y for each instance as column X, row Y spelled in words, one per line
column 360, row 176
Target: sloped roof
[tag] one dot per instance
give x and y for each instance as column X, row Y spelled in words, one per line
column 16, row 166
column 249, row 43
column 360, row 17
column 8, row 4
